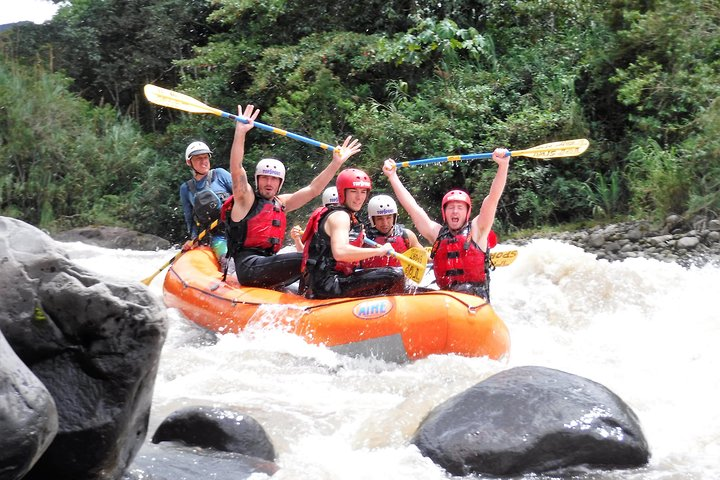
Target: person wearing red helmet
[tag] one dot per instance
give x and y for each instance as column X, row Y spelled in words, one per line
column 256, row 217
column 461, row 247
column 333, row 250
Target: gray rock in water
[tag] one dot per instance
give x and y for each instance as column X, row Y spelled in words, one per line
column 218, row 428
column 532, row 420
column 171, row 462
column 95, row 345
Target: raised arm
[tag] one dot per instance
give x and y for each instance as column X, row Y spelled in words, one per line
column 242, row 191
column 293, row 201
column 482, row 223
column 424, row 225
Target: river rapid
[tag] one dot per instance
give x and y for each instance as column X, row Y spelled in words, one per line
column 647, row 330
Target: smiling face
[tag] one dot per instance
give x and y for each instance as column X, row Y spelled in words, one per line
column 384, row 223
column 200, row 163
column 456, row 214
column 355, row 198
column 268, row 186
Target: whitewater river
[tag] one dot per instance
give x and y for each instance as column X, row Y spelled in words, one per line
column 647, row 330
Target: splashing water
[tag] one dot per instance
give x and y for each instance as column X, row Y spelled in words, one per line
column 647, row 330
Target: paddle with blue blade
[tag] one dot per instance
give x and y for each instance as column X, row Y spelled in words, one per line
column 413, row 261
column 565, row 148
column 180, row 101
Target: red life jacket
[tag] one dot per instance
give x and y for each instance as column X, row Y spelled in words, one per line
column 317, row 253
column 397, row 236
column 262, row 229
column 457, row 258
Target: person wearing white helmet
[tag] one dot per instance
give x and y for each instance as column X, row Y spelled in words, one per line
column 330, row 196
column 382, row 216
column 256, row 217
column 202, row 196
column 461, row 247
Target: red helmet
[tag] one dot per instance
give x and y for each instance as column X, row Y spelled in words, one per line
column 456, row 196
column 351, row 178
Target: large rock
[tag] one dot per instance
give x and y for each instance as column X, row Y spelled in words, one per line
column 113, row 237
column 218, row 428
column 532, row 420
column 28, row 417
column 94, row 344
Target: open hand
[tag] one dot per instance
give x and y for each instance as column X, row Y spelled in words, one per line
column 250, row 114
column 350, row 147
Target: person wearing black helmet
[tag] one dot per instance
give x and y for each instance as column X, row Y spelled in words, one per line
column 202, row 196
column 256, row 217
column 461, row 247
column 334, row 249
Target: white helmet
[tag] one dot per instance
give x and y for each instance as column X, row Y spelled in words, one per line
column 330, row 196
column 271, row 168
column 381, row 205
column 196, row 148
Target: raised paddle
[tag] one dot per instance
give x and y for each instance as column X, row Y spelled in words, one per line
column 413, row 261
column 565, row 148
column 195, row 241
column 180, row 101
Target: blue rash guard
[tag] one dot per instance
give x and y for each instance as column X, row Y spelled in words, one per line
column 221, row 184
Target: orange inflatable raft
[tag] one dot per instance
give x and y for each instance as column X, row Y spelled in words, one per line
column 394, row 328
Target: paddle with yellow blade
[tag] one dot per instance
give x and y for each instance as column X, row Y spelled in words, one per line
column 499, row 259
column 565, row 148
column 186, row 103
column 413, row 261
column 201, row 235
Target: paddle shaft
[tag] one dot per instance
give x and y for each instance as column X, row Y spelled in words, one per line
column 395, row 254
column 565, row 148
column 278, row 131
column 475, row 156
column 201, row 235
column 186, row 103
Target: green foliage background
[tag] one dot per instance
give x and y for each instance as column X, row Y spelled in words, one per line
column 639, row 79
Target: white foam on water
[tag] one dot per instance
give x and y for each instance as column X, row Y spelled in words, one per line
column 647, row 330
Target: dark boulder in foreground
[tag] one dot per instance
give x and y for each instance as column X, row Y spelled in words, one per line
column 217, row 428
column 94, row 344
column 28, row 417
column 113, row 237
column 532, row 420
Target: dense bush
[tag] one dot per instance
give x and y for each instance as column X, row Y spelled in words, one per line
column 639, row 79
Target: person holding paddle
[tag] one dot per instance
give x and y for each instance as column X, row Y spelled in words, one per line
column 256, row 217
column 382, row 217
column 202, row 196
column 461, row 247
column 333, row 250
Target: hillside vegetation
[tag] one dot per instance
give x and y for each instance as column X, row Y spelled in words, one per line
column 639, row 79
